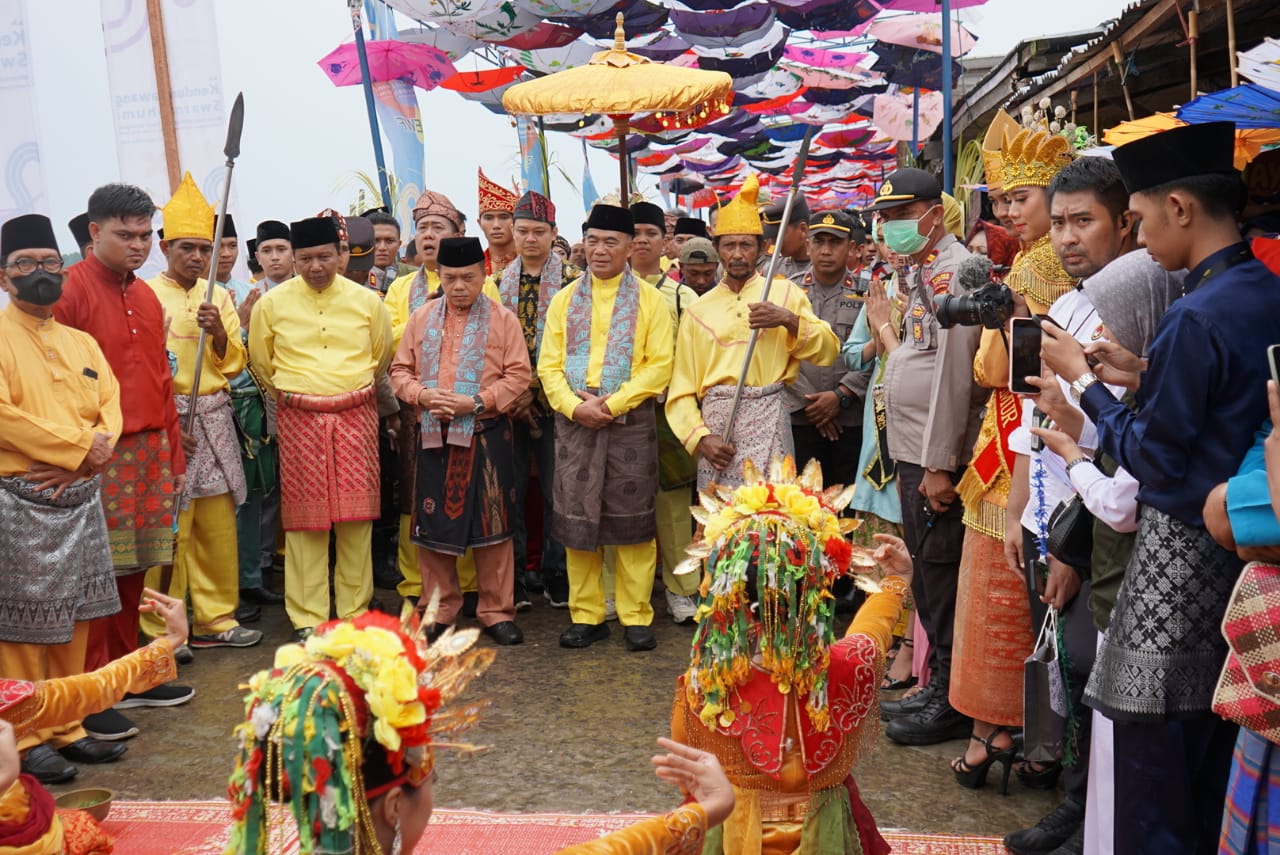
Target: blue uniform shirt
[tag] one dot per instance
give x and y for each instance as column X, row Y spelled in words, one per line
column 1204, row 393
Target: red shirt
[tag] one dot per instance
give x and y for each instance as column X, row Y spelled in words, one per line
column 124, row 315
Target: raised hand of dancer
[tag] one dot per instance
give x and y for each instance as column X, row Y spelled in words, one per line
column 171, row 610
column 699, row 774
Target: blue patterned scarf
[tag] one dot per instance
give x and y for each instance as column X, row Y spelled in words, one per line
column 466, row 379
column 622, row 335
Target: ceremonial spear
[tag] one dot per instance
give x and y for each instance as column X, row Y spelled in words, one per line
column 232, row 151
column 796, row 174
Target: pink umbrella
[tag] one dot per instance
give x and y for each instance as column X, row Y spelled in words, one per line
column 816, row 57
column 893, row 115
column 925, row 5
column 422, row 65
column 921, row 32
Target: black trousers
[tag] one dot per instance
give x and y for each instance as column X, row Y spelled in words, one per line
column 1171, row 783
column 541, row 449
column 839, row 457
column 935, row 541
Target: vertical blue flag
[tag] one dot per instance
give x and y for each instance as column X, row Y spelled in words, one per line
column 401, row 120
column 589, row 192
column 533, row 156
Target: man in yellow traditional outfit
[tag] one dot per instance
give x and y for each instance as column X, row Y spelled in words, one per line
column 318, row 342
column 59, row 420
column 463, row 363
column 994, row 628
column 606, row 354
column 712, row 345
column 206, row 554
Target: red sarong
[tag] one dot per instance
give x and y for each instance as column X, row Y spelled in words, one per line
column 328, row 459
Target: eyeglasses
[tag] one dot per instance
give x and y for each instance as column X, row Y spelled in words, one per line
column 29, row 265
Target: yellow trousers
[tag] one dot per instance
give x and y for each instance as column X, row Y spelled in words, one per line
column 37, row 662
column 675, row 531
column 407, row 558
column 206, row 565
column 306, row 573
column 633, row 573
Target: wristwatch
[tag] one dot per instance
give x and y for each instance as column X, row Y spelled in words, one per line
column 479, row 410
column 1084, row 381
column 846, row 401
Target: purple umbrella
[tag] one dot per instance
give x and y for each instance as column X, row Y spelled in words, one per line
column 825, row 14
column 664, row 48
column 641, row 17
column 926, row 5
column 419, row 64
column 743, row 24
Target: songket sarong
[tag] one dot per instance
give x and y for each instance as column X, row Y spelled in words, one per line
column 55, row 561
column 761, row 431
column 993, row 634
column 1163, row 650
column 1251, row 821
column 606, row 481
column 138, row 499
column 257, row 445
column 328, row 459
column 466, row 496
column 408, row 442
column 214, row 467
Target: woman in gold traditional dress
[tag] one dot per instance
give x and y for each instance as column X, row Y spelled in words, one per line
column 993, row 634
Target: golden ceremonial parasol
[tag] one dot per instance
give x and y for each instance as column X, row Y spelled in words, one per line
column 619, row 84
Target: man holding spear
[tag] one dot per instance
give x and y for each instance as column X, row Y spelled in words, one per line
column 205, row 556
column 715, row 354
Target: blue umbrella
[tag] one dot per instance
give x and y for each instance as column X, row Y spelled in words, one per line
column 1248, row 105
column 908, row 67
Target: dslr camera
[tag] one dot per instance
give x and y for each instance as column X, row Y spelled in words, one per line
column 990, row 306
column 985, row 302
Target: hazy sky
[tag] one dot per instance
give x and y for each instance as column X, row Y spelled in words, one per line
column 304, row 138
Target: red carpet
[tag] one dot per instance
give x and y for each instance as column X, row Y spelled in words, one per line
column 200, row 828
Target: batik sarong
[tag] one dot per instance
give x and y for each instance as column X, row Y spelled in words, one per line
column 328, row 459
column 761, row 430
column 606, row 481
column 1163, row 650
column 466, row 496
column 56, row 566
column 138, row 500
column 257, row 445
column 214, row 467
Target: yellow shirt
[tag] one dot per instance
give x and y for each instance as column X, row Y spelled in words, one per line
column 397, row 300
column 180, row 308
column 56, row 392
column 712, row 345
column 319, row 342
column 650, row 358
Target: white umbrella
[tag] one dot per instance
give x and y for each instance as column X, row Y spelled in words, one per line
column 1262, row 64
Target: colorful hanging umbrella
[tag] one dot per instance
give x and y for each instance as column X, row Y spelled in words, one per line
column 921, row 32
column 926, row 5
column 389, row 59
column 659, row 47
column 908, row 67
column 562, row 8
column 453, row 45
column 744, row 24
column 1248, row 105
column 642, row 16
column 825, row 14
column 1249, row 141
column 621, row 84
column 572, row 55
column 1262, row 64
column 543, row 37
column 894, row 115
column 482, row 80
column 823, row 58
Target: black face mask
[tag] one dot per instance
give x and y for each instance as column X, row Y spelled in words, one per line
column 39, row 287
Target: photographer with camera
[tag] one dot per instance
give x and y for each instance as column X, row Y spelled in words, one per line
column 933, row 414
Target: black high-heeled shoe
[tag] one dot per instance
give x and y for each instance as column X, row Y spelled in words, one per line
column 975, row 777
column 1038, row 776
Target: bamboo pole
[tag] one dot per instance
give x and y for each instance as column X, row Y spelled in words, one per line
column 164, row 93
column 1193, row 36
column 1232, row 61
column 1118, row 56
column 1097, row 134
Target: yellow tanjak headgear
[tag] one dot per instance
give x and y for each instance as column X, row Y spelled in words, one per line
column 741, row 216
column 1001, row 126
column 1032, row 158
column 188, row 214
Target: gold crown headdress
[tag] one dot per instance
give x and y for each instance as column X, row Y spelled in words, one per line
column 1032, row 158
column 188, row 214
column 356, row 709
column 993, row 165
column 741, row 215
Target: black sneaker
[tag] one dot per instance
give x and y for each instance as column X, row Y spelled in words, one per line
column 109, row 726
column 522, row 601
column 1051, row 832
column 556, row 590
column 937, row 721
column 164, row 695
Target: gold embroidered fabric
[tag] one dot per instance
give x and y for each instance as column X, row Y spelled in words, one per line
column 680, row 832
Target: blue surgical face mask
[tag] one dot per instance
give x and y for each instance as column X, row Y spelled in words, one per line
column 903, row 236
